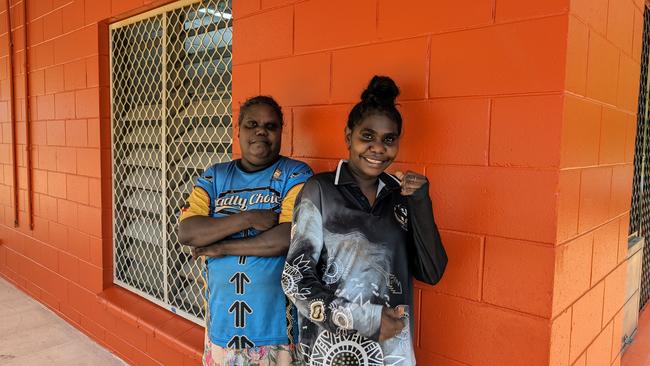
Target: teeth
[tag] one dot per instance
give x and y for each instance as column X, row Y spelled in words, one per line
column 372, row 161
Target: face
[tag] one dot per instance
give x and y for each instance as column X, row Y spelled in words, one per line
column 260, row 137
column 373, row 145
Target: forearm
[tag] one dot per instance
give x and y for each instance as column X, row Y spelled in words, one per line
column 200, row 231
column 271, row 243
column 430, row 259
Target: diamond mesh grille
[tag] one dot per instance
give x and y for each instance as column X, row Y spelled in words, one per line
column 640, row 210
column 171, row 118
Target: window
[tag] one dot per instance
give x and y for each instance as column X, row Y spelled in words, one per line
column 171, row 118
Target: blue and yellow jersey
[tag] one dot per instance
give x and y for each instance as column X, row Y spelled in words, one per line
column 246, row 305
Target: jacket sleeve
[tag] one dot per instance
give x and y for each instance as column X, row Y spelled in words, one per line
column 302, row 283
column 428, row 258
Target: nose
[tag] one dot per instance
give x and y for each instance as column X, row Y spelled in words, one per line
column 377, row 147
column 260, row 131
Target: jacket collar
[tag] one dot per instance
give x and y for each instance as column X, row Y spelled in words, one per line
column 344, row 177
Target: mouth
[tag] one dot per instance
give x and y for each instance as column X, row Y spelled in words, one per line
column 259, row 142
column 375, row 163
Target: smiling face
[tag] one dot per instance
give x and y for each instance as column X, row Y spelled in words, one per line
column 260, row 137
column 373, row 144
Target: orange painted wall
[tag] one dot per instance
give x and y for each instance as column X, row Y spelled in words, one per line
column 520, row 113
column 596, row 169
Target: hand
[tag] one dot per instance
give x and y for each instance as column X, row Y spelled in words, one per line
column 391, row 323
column 261, row 220
column 411, row 182
column 212, row 250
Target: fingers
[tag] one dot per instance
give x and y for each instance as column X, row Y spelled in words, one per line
column 399, row 175
column 411, row 182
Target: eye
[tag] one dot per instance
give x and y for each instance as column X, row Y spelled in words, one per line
column 366, row 136
column 271, row 126
column 250, row 124
column 389, row 140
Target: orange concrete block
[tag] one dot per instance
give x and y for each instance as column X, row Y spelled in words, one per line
column 404, row 61
column 97, row 12
column 72, row 15
column 56, row 184
column 463, row 274
column 568, row 204
column 56, row 133
column 612, row 136
column 572, row 272
column 90, row 220
column 515, row 203
column 614, row 292
column 77, row 188
column 525, row 131
column 90, row 277
column 500, row 67
column 560, row 339
column 76, row 133
column 519, row 275
column 123, row 6
column 605, row 251
column 94, row 192
column 507, row 10
column 68, row 266
column 285, row 79
column 456, row 130
column 34, row 31
column 245, row 83
column 617, row 334
column 64, row 105
column 41, row 55
column 48, row 207
column 623, row 232
column 58, row 235
column 67, row 213
column 495, row 337
column 425, row 357
column 599, row 352
column 87, row 103
column 422, row 16
column 79, row 244
column 319, row 131
column 66, row 160
column 621, row 196
column 45, row 107
column 580, row 132
column 355, row 25
column 40, row 181
column 620, row 24
column 595, row 188
column 94, row 133
column 592, row 12
column 586, row 321
column 241, row 9
column 89, row 162
column 628, row 84
column 52, row 25
column 263, row 36
column 630, row 138
column 638, row 35
column 74, row 74
column 37, row 82
column 54, row 79
column 602, row 69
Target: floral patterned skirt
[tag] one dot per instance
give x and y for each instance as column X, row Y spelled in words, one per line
column 276, row 355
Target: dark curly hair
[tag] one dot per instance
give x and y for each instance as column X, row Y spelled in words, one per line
column 260, row 99
column 378, row 98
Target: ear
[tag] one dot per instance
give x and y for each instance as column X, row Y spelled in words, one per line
column 348, row 137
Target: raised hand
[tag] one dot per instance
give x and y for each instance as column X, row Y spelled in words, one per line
column 411, row 182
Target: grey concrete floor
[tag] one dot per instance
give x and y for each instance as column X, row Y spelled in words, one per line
column 31, row 334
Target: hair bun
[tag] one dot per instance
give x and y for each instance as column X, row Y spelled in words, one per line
column 381, row 90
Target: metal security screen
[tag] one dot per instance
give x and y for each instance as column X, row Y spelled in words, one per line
column 171, row 118
column 640, row 212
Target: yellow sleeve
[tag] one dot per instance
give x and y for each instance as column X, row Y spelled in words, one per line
column 286, row 215
column 198, row 204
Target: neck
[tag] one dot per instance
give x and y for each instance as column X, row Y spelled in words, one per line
column 365, row 182
column 250, row 167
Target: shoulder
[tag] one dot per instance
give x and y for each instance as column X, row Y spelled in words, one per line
column 295, row 165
